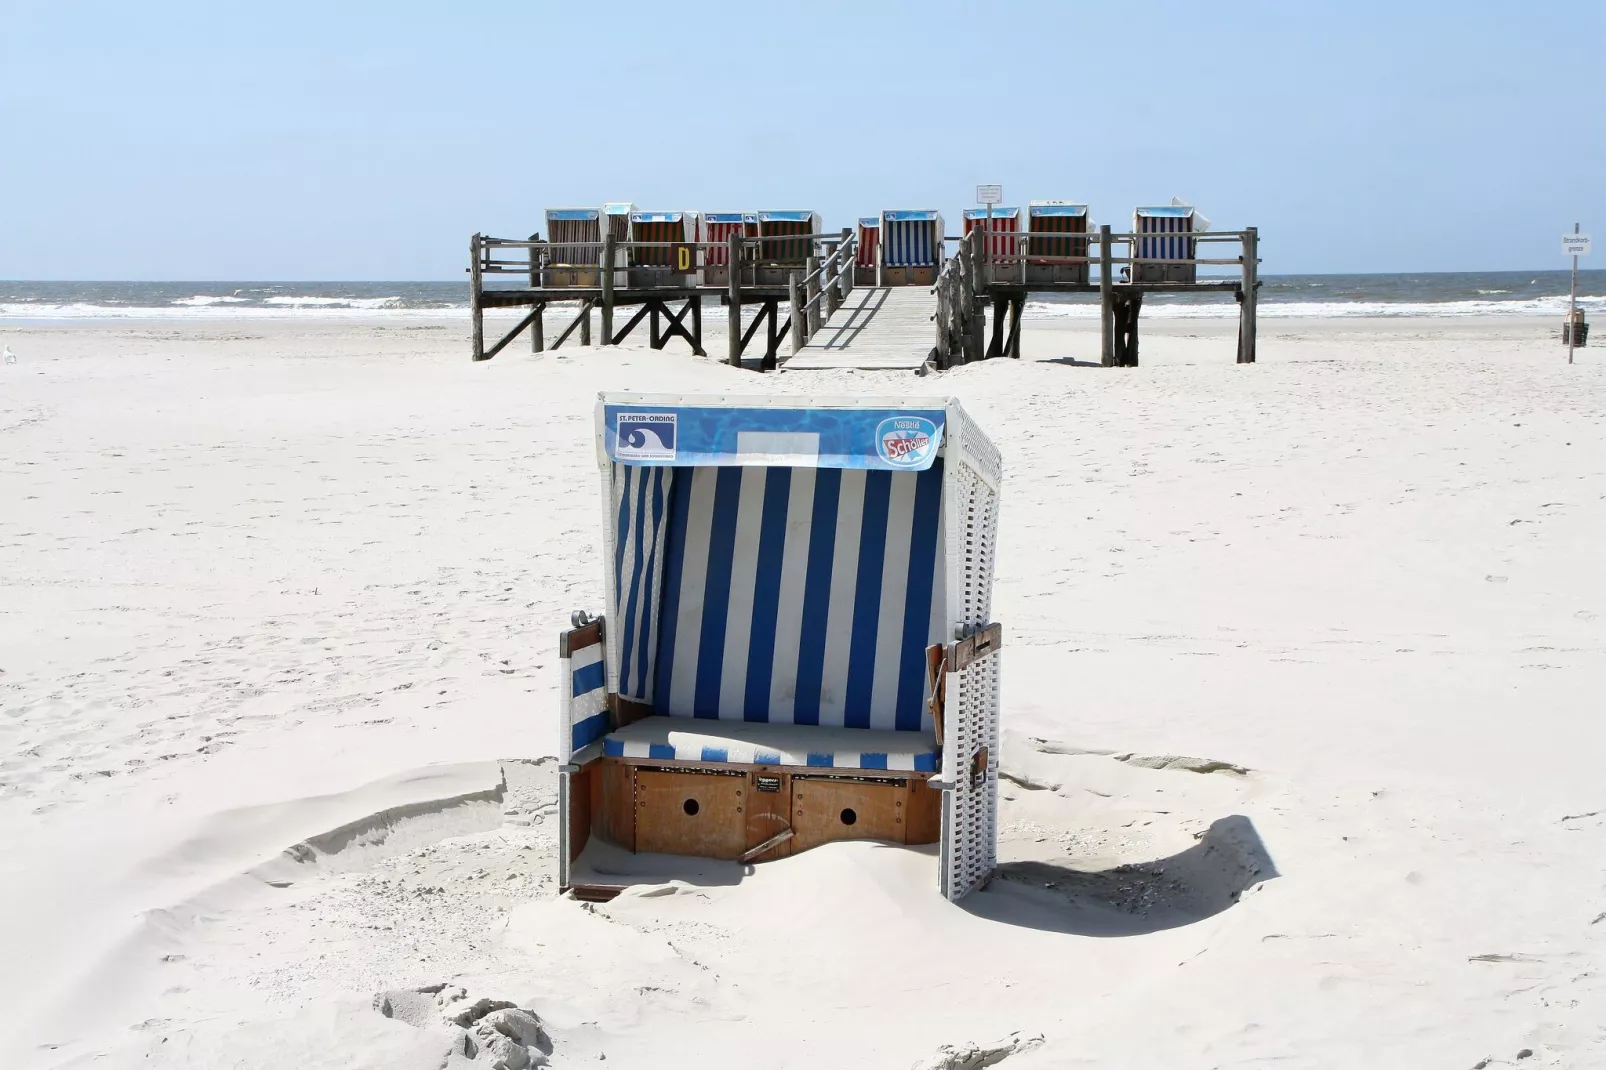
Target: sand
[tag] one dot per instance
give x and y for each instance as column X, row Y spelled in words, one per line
column 1303, row 672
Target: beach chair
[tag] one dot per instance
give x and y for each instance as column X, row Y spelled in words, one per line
column 777, row 260
column 572, row 258
column 866, row 255
column 717, row 228
column 1163, row 235
column 798, row 647
column 674, row 267
column 911, row 247
column 1050, row 219
column 1002, row 261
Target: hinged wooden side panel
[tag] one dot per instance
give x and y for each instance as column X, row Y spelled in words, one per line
column 698, row 814
column 825, row 810
column 614, row 803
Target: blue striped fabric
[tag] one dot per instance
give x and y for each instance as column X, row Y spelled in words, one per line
column 679, row 739
column 907, row 242
column 792, row 595
column 586, row 704
column 640, row 504
column 1163, row 246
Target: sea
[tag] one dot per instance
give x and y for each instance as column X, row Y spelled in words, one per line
column 1483, row 293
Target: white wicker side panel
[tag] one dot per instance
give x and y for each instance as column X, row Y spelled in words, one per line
column 970, row 806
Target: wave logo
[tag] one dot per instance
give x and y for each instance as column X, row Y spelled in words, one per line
column 645, row 436
column 906, row 441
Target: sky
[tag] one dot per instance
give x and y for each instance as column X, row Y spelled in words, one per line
column 355, row 141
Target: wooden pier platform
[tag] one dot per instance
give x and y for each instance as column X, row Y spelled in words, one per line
column 881, row 328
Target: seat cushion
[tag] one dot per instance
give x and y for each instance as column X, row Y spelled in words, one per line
column 752, row 743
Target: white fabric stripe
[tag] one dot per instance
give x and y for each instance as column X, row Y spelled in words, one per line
column 894, row 595
column 652, row 586
column 693, row 578
column 789, row 617
column 844, row 585
column 586, row 655
column 940, row 631
column 739, row 615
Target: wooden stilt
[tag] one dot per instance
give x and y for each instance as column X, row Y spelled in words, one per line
column 607, row 288
column 1106, row 300
column 476, row 312
column 733, row 314
column 1250, row 296
column 794, row 290
column 538, row 329
column 696, row 305
column 772, row 313
column 657, row 340
column 585, row 321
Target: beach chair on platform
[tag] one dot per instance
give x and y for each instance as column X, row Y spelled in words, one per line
column 1002, row 261
column 1048, row 220
column 788, row 246
column 867, row 254
column 573, row 258
column 798, row 647
column 911, row 247
column 1164, row 234
column 717, row 228
column 671, row 266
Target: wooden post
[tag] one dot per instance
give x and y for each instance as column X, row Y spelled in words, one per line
column 845, row 276
column 811, row 290
column 733, row 314
column 537, row 334
column 833, row 265
column 772, row 340
column 657, row 341
column 476, row 313
column 1106, row 304
column 607, row 286
column 697, row 326
column 800, row 328
column 585, row 320
column 1246, row 312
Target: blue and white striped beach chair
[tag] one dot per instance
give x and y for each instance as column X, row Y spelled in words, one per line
column 798, row 647
column 911, row 247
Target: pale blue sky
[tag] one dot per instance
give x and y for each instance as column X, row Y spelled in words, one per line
column 294, row 140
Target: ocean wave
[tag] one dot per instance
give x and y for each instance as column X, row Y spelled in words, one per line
column 85, row 311
column 335, row 302
column 202, row 300
column 1540, row 306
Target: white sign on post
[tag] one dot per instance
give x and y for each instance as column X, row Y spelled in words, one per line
column 1575, row 245
column 989, row 194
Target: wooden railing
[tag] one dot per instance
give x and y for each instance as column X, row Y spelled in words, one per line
column 959, row 317
column 826, row 284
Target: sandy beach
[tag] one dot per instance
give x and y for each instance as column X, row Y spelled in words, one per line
column 1302, row 707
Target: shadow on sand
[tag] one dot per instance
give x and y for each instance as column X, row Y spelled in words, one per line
column 1132, row 899
column 1071, row 362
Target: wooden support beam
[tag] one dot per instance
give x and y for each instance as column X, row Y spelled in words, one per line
column 582, row 320
column 1106, row 306
column 1017, row 308
column 772, row 312
column 476, row 311
column 811, row 291
column 1250, row 296
column 607, row 286
column 733, row 314
column 631, row 325
column 514, row 333
column 696, row 305
column 656, row 338
column 995, row 347
column 752, row 328
column 833, row 298
column 800, row 332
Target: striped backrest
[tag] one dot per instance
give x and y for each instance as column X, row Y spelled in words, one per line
column 869, row 243
column 1001, row 237
column 1057, row 222
column 1167, row 242
column 718, row 228
column 910, row 242
column 654, row 230
column 785, row 252
column 793, row 595
column 573, row 225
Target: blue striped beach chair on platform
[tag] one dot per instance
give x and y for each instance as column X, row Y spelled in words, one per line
column 911, row 247
column 798, row 647
column 1163, row 234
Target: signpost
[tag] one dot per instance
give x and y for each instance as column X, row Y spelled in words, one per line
column 1574, row 245
column 988, row 195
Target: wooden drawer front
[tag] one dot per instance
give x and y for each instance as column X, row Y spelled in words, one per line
column 827, row 810
column 699, row 814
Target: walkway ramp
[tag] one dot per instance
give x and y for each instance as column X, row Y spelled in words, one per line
column 885, row 328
